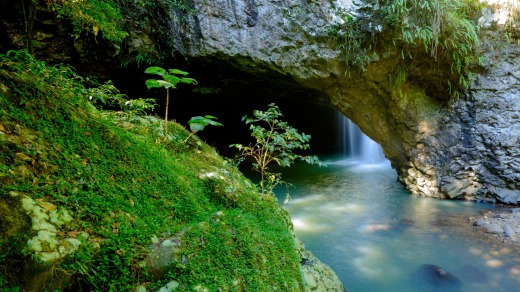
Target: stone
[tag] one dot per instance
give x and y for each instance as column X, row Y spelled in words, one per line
column 509, row 231
column 309, row 280
column 170, row 286
column 437, row 278
column 493, row 228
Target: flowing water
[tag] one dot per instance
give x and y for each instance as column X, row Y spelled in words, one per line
column 359, row 220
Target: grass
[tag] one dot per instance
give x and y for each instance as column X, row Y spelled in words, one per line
column 127, row 187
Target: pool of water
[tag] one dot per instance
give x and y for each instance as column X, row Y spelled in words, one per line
column 377, row 237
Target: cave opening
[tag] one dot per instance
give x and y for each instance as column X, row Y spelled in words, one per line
column 229, row 93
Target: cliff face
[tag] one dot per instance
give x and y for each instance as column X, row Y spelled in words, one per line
column 442, row 147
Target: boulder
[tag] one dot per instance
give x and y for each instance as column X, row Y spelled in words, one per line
column 436, row 278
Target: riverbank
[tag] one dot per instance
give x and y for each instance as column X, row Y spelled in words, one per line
column 504, row 225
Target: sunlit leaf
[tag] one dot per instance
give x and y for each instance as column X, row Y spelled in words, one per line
column 151, row 83
column 178, row 72
column 155, row 70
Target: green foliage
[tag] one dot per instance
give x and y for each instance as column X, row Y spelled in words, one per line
column 92, row 15
column 352, row 40
column 275, row 141
column 170, row 80
column 512, row 26
column 444, row 29
column 124, row 186
column 107, row 94
column 198, row 123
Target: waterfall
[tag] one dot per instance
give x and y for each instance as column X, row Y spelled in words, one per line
column 356, row 145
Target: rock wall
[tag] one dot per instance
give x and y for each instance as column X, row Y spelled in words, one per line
column 474, row 149
column 441, row 147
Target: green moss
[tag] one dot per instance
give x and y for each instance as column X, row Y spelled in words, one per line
column 100, row 186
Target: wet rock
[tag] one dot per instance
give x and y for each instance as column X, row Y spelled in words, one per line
column 316, row 275
column 438, row 278
column 509, row 231
column 494, row 228
column 505, row 226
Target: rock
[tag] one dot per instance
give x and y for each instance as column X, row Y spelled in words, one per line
column 509, row 231
column 308, row 279
column 505, row 226
column 490, row 227
column 437, row 277
column 316, row 275
column 441, row 146
column 171, row 286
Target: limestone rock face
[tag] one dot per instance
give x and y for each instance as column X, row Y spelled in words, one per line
column 441, row 147
column 474, row 151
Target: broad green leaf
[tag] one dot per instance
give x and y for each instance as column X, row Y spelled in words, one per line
column 151, row 83
column 195, row 118
column 215, row 123
column 189, row 81
column 155, row 70
column 177, row 72
column 172, row 79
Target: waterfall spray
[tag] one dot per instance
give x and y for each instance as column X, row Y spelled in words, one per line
column 356, row 145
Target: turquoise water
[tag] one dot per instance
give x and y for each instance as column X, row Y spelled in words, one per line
column 365, row 225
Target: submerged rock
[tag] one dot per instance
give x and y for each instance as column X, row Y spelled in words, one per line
column 437, row 278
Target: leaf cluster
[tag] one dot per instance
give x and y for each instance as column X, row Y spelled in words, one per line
column 108, row 95
column 198, row 123
column 170, row 78
column 445, row 29
column 275, row 142
column 92, row 15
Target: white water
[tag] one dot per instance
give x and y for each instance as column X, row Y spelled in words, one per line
column 356, row 145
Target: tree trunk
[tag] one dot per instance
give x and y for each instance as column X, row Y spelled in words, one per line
column 166, row 115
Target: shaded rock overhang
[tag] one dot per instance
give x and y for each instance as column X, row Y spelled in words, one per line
column 440, row 146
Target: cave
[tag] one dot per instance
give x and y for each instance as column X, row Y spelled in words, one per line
column 229, row 93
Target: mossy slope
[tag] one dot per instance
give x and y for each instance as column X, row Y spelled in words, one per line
column 146, row 212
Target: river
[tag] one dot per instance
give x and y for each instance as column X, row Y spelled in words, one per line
column 359, row 220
